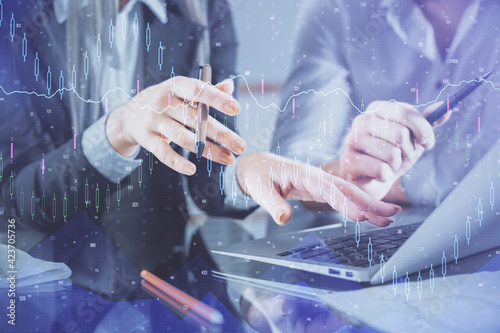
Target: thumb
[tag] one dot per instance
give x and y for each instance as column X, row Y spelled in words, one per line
column 438, row 122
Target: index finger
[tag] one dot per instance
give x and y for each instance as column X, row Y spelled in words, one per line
column 203, row 92
column 364, row 201
column 405, row 114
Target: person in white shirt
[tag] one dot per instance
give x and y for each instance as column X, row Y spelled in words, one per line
column 363, row 76
column 378, row 67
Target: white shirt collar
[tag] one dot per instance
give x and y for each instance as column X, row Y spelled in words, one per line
column 156, row 6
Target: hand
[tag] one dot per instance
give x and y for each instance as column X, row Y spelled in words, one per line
column 158, row 115
column 383, row 144
column 270, row 180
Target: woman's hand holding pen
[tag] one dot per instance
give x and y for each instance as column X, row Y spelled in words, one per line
column 163, row 113
column 383, row 144
column 270, row 180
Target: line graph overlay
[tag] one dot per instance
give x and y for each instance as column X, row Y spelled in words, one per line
column 264, row 107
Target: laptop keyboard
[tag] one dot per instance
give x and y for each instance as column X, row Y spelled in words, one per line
column 346, row 251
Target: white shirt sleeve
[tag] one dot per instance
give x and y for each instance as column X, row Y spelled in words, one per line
column 103, row 157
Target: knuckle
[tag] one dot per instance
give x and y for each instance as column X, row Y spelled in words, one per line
column 391, row 158
column 394, row 157
column 222, row 137
column 198, row 89
column 409, row 111
column 374, row 105
column 194, row 118
column 371, row 208
column 176, row 165
column 160, row 153
column 173, row 162
column 349, row 138
column 181, row 138
column 405, row 132
column 399, row 136
column 218, row 101
column 170, row 111
column 168, row 160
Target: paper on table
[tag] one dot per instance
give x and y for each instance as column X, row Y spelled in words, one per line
column 460, row 303
column 30, row 271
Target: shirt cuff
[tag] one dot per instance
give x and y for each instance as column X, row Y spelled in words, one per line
column 103, row 157
column 235, row 198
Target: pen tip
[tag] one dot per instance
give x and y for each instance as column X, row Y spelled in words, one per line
column 201, row 148
column 488, row 74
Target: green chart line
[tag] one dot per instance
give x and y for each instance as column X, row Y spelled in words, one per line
column 65, row 207
column 32, row 205
column 150, row 163
column 22, row 200
column 97, row 198
column 86, row 193
column 54, row 208
column 1, row 167
column 43, row 204
column 139, row 175
column 118, row 192
column 108, row 199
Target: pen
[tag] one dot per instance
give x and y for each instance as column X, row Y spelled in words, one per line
column 209, row 314
column 456, row 98
column 176, row 307
column 205, row 75
column 171, row 303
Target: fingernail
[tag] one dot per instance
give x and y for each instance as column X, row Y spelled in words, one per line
column 395, row 206
column 227, row 157
column 238, row 146
column 189, row 169
column 281, row 212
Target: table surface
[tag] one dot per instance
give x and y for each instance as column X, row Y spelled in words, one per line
column 107, row 296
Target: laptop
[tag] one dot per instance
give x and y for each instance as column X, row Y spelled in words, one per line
column 467, row 222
